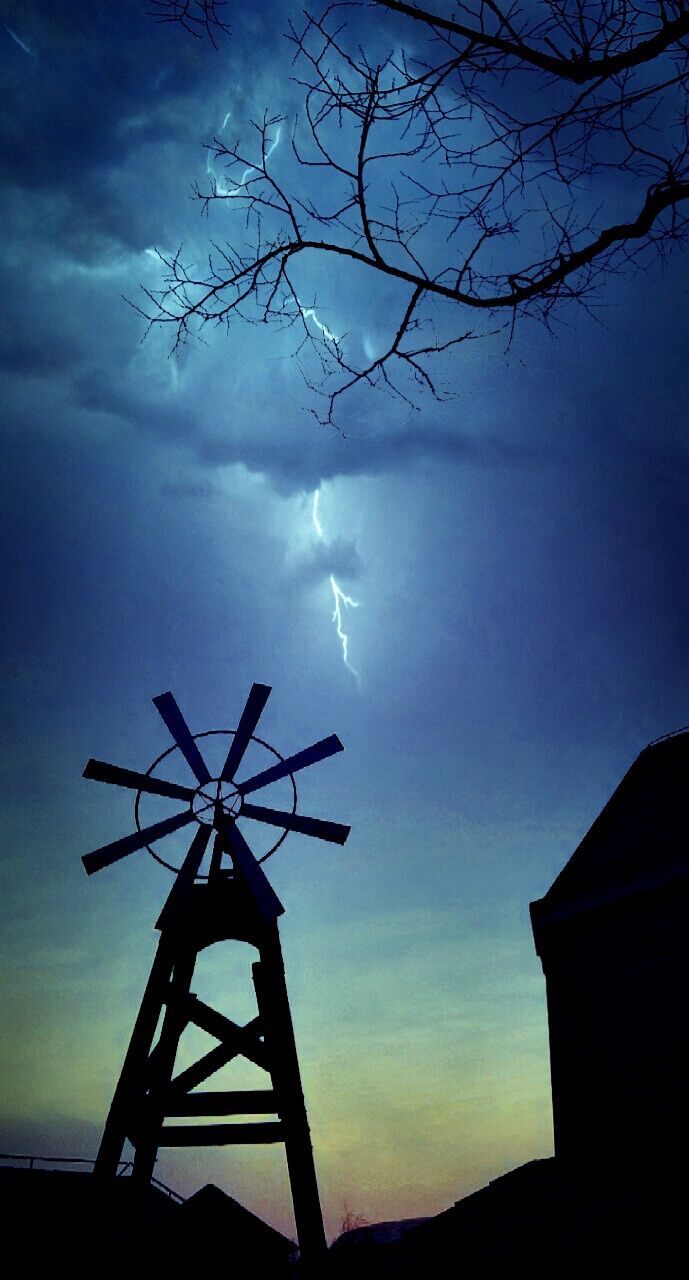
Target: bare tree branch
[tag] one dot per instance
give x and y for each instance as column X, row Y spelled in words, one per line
column 198, row 17
column 474, row 179
column 580, row 66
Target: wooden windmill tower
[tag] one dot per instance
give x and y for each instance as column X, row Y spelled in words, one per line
column 220, row 892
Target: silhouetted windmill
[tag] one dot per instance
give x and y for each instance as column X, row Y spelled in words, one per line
column 234, row 902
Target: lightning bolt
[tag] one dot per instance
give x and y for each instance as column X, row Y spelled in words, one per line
column 17, row 40
column 219, row 182
column 309, row 314
column 340, row 597
column 223, row 189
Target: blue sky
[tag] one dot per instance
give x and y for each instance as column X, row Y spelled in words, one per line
column 519, row 558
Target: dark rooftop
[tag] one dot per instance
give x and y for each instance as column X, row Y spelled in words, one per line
column 639, row 841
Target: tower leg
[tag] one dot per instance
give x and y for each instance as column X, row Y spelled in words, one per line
column 276, row 1019
column 162, row 1067
column 133, row 1069
column 143, row 1098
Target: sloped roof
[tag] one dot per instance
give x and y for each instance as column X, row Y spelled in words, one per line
column 213, row 1212
column 640, row 839
column 55, row 1210
column 547, row 1218
column 374, row 1233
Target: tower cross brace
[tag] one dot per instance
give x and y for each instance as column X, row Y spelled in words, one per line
column 149, row 1093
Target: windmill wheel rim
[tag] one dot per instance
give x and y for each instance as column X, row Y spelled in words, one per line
column 209, row 733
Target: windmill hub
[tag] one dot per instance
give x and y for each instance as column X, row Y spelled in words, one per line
column 213, row 796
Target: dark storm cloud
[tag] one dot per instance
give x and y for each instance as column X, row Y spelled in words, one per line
column 84, row 100
column 191, row 489
column 25, row 354
column 339, row 557
column 329, row 455
column 291, row 450
column 105, row 125
column 103, row 133
column 57, row 319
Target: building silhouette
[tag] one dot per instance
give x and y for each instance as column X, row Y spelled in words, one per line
column 613, row 939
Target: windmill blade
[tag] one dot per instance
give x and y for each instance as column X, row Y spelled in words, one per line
column 185, row 878
column 311, row 755
column 101, row 771
column 100, row 858
column 265, row 897
column 335, row 832
column 171, row 714
column 250, row 717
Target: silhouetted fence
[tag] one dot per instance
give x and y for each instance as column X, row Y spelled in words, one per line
column 124, row 1167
